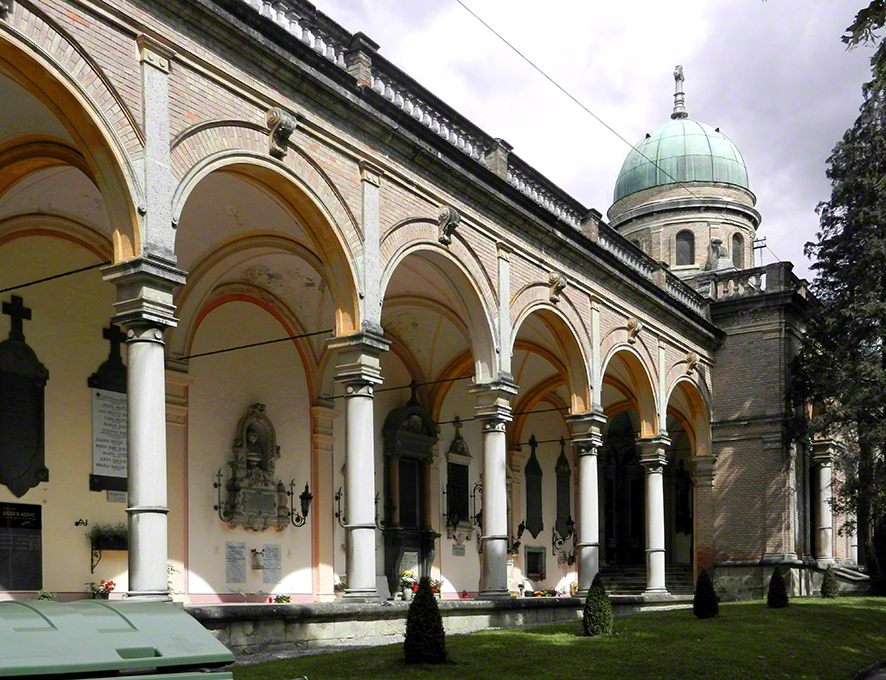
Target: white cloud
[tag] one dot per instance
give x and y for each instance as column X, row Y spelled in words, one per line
column 773, row 76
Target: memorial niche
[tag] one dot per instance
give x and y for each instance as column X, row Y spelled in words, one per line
column 22, row 382
column 409, row 435
column 255, row 501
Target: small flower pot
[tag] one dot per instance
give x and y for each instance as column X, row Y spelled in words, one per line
column 101, row 596
column 407, row 594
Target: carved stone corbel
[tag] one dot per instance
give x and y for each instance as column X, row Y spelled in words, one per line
column 447, row 221
column 282, row 125
column 634, row 327
column 557, row 283
column 692, row 360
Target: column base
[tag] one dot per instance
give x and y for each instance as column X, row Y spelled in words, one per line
column 656, row 593
column 147, row 596
column 360, row 595
column 825, row 561
column 583, row 594
column 494, row 594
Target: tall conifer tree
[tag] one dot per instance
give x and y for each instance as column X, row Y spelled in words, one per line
column 842, row 365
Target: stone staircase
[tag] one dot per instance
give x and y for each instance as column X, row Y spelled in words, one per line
column 631, row 579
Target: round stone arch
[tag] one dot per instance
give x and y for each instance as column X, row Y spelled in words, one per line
column 38, row 224
column 693, row 410
column 641, row 385
column 335, row 251
column 32, row 50
column 470, row 291
column 564, row 326
column 273, row 306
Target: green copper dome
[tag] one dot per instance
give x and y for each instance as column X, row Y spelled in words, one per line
column 684, row 150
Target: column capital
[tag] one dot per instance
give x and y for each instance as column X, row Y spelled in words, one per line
column 359, row 357
column 703, row 469
column 494, row 402
column 652, row 452
column 823, row 451
column 588, row 425
column 144, row 291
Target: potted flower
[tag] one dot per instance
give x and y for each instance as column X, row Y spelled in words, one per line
column 101, row 590
column 408, row 584
column 436, row 587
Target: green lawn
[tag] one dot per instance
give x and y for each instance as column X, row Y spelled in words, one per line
column 811, row 639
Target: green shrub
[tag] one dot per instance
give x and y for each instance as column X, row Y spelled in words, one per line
column 597, row 618
column 425, row 638
column 46, row 595
column 705, row 604
column 778, row 594
column 829, row 586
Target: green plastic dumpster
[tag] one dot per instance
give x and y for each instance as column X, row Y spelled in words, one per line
column 100, row 639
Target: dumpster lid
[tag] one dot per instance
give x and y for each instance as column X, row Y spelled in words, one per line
column 90, row 636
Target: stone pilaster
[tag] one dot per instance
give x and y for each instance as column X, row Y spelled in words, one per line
column 494, row 411
column 358, row 369
column 144, row 311
column 587, row 438
column 703, row 470
column 652, row 458
column 370, row 267
column 323, row 415
column 159, row 182
column 358, row 59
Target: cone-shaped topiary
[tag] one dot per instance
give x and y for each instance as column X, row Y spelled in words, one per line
column 597, row 619
column 705, row 604
column 829, row 586
column 778, row 594
column 425, row 637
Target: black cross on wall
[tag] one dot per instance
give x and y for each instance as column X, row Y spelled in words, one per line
column 117, row 338
column 19, row 313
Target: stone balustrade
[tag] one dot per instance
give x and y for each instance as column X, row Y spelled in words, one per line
column 331, row 41
column 626, row 252
column 743, row 283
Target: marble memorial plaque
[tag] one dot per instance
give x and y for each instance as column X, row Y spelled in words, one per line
column 116, row 496
column 235, row 562
column 21, row 547
column 458, row 550
column 409, row 561
column 273, row 563
column 259, row 502
column 109, row 452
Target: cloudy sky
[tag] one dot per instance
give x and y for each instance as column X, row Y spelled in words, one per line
column 772, row 75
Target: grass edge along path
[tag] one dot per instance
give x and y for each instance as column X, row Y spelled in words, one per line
column 812, row 639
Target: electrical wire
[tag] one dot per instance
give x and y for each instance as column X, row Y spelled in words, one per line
column 586, row 109
column 255, row 344
column 56, row 276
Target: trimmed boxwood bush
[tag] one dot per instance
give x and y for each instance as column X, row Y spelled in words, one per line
column 778, row 594
column 829, row 586
column 705, row 604
column 425, row 637
column 597, row 618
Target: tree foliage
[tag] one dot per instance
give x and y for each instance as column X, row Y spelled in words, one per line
column 597, row 618
column 863, row 31
column 705, row 604
column 841, row 367
column 425, row 638
column 777, row 597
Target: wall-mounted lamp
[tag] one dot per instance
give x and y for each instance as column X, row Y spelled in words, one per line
column 305, row 498
column 558, row 543
column 258, row 559
column 514, row 541
column 477, row 515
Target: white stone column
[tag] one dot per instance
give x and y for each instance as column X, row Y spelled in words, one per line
column 652, row 458
column 588, row 438
column 144, row 310
column 493, row 409
column 359, row 371
column 822, row 459
column 853, row 546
